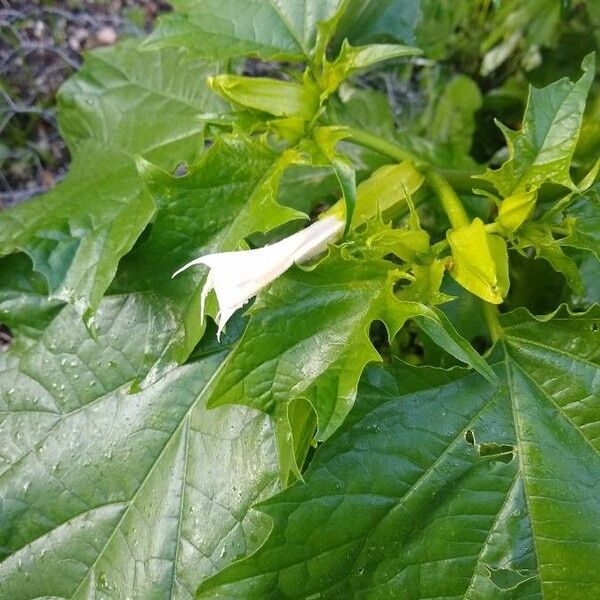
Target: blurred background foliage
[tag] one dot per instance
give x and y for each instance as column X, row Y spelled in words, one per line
column 479, row 57
column 41, row 44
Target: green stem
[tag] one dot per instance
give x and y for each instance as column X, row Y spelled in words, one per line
column 449, row 199
column 460, row 180
column 490, row 314
column 374, row 142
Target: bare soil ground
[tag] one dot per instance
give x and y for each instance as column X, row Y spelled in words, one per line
column 40, row 46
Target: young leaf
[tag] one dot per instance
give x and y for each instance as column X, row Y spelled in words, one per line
column 229, row 194
column 438, row 485
column 308, row 338
column 220, row 29
column 479, row 261
column 352, row 59
column 98, row 484
column 542, row 151
column 123, row 102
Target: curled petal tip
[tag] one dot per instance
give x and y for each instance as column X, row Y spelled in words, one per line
column 196, row 261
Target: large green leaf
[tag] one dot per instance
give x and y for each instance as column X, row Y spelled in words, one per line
column 230, row 193
column 308, row 337
column 440, row 485
column 122, row 103
column 283, row 29
column 107, row 493
column 542, row 151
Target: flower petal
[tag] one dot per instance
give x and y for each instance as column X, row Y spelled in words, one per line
column 238, row 276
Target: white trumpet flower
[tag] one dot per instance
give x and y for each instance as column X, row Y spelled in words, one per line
column 238, row 276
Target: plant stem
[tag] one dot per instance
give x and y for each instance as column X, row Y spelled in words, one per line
column 449, row 199
column 374, row 142
column 459, row 179
column 490, row 314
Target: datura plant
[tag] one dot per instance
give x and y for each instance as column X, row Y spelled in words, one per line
column 314, row 312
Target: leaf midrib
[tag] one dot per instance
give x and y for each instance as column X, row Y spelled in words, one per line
column 541, row 146
column 456, row 439
column 131, row 501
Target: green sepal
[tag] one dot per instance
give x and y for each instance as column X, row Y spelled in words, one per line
column 385, row 192
column 479, row 261
column 279, row 98
column 515, row 210
column 325, row 140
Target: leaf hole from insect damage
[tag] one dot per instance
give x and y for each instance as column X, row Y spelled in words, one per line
column 6, row 337
column 181, row 170
column 491, row 450
column 508, row 579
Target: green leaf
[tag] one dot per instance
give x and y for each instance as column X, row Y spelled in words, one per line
column 438, row 485
column 308, row 338
column 547, row 247
column 583, row 217
column 479, row 261
column 221, row 29
column 365, row 108
column 465, row 311
column 589, row 269
column 368, row 21
column 122, row 103
column 352, row 59
column 24, row 303
column 229, row 194
column 100, row 485
column 561, row 263
column 426, row 285
column 406, row 244
column 542, row 151
column 453, row 122
column 440, row 25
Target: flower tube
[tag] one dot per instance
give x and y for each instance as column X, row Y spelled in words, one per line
column 238, row 276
